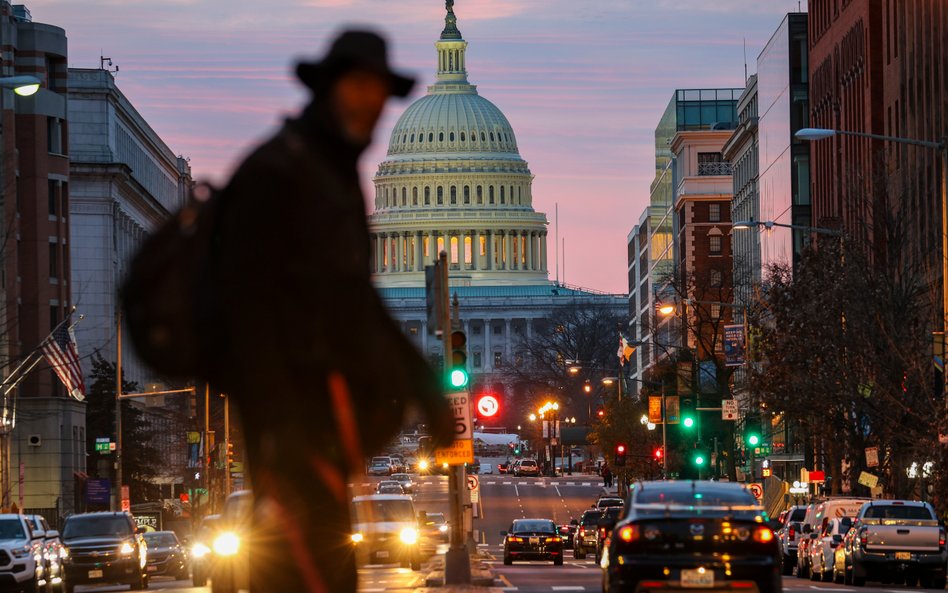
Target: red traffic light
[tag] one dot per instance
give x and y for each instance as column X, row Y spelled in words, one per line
column 658, row 453
column 601, row 413
column 487, row 406
column 620, row 448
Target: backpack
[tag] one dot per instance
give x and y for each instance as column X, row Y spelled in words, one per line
column 166, row 295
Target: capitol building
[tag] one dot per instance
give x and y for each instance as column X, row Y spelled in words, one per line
column 453, row 180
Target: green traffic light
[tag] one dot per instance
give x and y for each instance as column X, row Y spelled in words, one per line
column 458, row 378
column 753, row 440
column 699, row 459
column 688, row 422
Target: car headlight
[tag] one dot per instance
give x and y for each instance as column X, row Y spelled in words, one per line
column 226, row 544
column 21, row 552
column 422, row 465
column 409, row 536
column 63, row 553
column 126, row 549
column 443, row 529
column 356, row 538
column 200, row 550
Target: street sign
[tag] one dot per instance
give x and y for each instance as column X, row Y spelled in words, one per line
column 766, row 472
column 461, row 406
column 487, row 406
column 729, row 409
column 474, row 485
column 98, row 490
column 872, row 457
column 817, row 476
column 757, row 489
column 868, row 480
column 458, row 453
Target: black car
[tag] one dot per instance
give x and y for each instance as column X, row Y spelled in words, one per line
column 230, row 570
column 533, row 539
column 688, row 534
column 202, row 550
column 104, row 548
column 166, row 555
column 610, row 516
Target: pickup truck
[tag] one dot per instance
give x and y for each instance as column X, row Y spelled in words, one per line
column 899, row 539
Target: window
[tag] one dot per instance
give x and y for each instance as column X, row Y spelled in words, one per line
column 715, row 245
column 476, row 330
column 454, row 194
column 430, row 136
column 451, row 137
column 427, row 196
column 498, row 330
column 51, row 187
column 53, row 316
column 498, row 359
column 404, row 196
column 440, row 195
column 467, row 194
column 413, row 331
column 480, row 194
column 503, row 197
column 53, row 260
column 462, row 137
column 477, row 360
column 490, row 195
column 414, row 196
column 441, row 137
column 717, row 279
column 714, row 212
column 715, row 311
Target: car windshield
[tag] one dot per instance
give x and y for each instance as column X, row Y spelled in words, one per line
column 610, row 502
column 435, row 518
column 533, row 527
column 798, row 515
column 590, row 518
column 897, row 512
column 528, row 463
column 79, row 526
column 161, row 539
column 695, row 497
column 376, row 511
column 11, row 529
column 402, row 477
column 612, row 513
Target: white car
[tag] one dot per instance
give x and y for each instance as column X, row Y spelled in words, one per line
column 822, row 550
column 22, row 562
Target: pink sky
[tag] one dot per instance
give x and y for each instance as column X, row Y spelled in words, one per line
column 582, row 82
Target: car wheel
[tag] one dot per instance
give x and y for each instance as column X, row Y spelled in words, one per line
column 198, row 579
column 507, row 560
column 814, row 576
column 558, row 561
column 859, row 581
column 911, row 580
column 847, row 575
column 578, row 554
column 827, row 574
column 802, row 571
column 935, row 581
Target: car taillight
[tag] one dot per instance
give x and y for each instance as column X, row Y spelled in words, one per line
column 516, row 539
column 863, row 537
column 941, row 539
column 554, row 539
column 582, row 532
column 763, row 535
column 791, row 534
column 629, row 533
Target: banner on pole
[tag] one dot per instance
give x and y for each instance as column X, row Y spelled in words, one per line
column 734, row 345
column 655, row 409
column 672, row 409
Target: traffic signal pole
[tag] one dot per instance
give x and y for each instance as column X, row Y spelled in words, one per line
column 457, row 565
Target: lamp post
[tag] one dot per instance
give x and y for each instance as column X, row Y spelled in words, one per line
column 814, row 134
column 550, row 408
column 743, row 225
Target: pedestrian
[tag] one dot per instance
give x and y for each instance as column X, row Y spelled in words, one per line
column 606, row 476
column 320, row 373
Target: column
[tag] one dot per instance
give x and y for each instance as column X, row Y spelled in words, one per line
column 380, row 239
column 489, row 256
column 508, row 250
column 462, row 252
column 433, row 246
column 399, row 252
column 529, row 330
column 424, row 338
column 488, row 349
column 529, row 265
column 475, row 248
column 419, row 252
column 543, row 248
column 507, row 340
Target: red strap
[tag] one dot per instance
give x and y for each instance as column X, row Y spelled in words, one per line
column 345, row 419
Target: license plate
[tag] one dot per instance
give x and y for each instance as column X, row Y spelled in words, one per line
column 903, row 555
column 95, row 574
column 151, row 568
column 534, row 541
column 697, row 578
column 382, row 554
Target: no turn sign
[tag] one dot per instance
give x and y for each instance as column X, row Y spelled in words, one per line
column 473, row 483
column 757, row 489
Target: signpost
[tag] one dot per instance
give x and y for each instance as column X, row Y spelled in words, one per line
column 461, row 451
column 103, row 445
column 872, row 457
column 474, row 485
column 729, row 409
column 757, row 489
column 868, row 480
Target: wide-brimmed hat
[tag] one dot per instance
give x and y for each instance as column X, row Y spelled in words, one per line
column 354, row 50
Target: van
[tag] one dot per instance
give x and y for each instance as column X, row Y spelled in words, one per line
column 385, row 530
column 817, row 516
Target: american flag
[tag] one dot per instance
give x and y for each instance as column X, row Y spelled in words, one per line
column 63, row 355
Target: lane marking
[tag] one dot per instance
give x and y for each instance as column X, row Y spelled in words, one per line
column 570, row 588
column 517, row 490
column 557, row 488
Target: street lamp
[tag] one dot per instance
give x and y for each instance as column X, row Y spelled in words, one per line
column 814, row 134
column 743, row 225
column 24, row 85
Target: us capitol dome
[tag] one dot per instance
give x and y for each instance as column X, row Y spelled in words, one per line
column 453, row 180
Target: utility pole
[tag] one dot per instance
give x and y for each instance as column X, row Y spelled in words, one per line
column 118, row 408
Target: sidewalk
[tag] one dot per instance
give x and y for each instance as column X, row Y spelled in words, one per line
column 481, row 575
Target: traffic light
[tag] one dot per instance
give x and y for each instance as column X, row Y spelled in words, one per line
column 230, row 453
column 620, row 456
column 752, row 434
column 699, row 458
column 688, row 420
column 657, row 454
column 458, row 377
column 517, row 449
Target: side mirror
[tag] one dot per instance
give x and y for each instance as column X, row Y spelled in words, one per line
column 573, row 522
column 140, row 530
column 39, row 534
column 837, row 538
column 774, row 525
column 52, row 534
column 503, row 534
column 813, row 535
column 807, row 528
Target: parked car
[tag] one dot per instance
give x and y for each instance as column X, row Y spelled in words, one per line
column 527, row 467
column 104, row 548
column 842, row 570
column 789, row 536
column 817, row 515
column 822, row 548
column 532, row 539
column 385, row 529
column 486, row 468
column 381, row 466
column 899, row 539
column 502, row 468
column 202, row 550
column 586, row 534
column 22, row 565
column 166, row 555
column 53, row 550
column 675, row 534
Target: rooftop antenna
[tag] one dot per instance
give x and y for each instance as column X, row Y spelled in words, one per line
column 556, row 246
column 105, row 63
column 745, row 60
